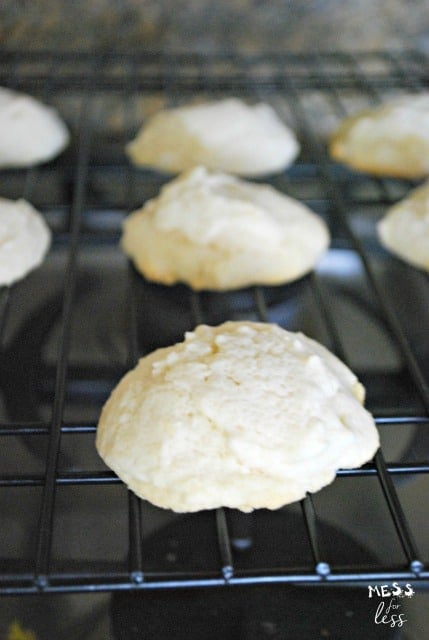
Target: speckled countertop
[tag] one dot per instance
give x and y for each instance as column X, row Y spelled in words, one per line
column 207, row 25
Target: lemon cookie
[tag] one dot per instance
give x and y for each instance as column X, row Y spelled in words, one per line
column 24, row 240
column 30, row 132
column 227, row 135
column 214, row 231
column 389, row 140
column 243, row 415
column 404, row 230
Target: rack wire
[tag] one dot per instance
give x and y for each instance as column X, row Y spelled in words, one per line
column 85, row 195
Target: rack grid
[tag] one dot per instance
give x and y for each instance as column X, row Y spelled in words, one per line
column 85, row 195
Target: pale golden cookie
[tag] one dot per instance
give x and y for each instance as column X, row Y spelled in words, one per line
column 227, row 135
column 30, row 132
column 243, row 415
column 388, row 140
column 404, row 230
column 214, row 231
column 24, row 240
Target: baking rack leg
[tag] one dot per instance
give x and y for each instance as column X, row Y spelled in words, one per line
column 241, row 527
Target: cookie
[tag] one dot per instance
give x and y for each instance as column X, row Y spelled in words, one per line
column 227, row 135
column 404, row 230
column 388, row 140
column 214, row 231
column 243, row 415
column 30, row 132
column 24, row 240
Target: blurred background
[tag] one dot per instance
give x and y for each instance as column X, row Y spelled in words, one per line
column 205, row 25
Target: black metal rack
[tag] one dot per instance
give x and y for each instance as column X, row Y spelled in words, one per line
column 84, row 195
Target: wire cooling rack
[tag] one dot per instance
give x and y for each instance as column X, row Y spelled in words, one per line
column 68, row 524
